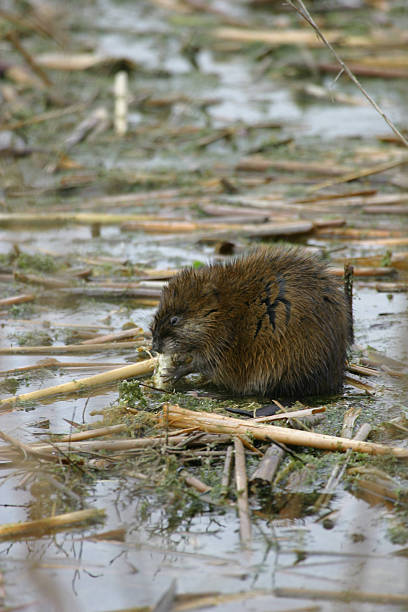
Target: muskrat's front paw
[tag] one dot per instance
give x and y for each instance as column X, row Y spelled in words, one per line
column 174, row 373
column 170, row 369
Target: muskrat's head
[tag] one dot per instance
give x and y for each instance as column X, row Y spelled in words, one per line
column 186, row 319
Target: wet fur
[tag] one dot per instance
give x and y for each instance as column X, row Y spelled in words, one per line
column 273, row 323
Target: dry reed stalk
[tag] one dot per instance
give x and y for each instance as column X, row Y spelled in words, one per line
column 194, row 482
column 266, row 470
column 290, row 37
column 196, row 602
column 401, row 209
column 358, row 384
column 93, row 433
column 127, row 333
column 121, row 92
column 260, row 164
column 392, row 287
column 50, row 451
column 7, row 219
column 384, row 242
column 25, row 449
column 290, row 415
column 17, row 299
column 216, row 423
column 363, row 370
column 333, row 197
column 66, row 349
column 54, row 363
column 242, row 493
column 349, row 419
column 366, row 271
column 226, row 473
column 357, row 234
column 137, row 369
column 96, row 290
column 52, row 523
column 174, row 227
column 347, row 596
column 44, row 281
column 365, row 71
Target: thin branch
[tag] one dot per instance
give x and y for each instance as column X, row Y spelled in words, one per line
column 304, row 13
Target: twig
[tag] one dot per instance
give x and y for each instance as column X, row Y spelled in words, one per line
column 242, row 493
column 352, row 176
column 14, row 40
column 55, row 114
column 304, row 13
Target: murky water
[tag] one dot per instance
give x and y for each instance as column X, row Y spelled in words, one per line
column 67, row 573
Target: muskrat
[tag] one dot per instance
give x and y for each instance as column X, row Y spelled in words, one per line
column 272, row 323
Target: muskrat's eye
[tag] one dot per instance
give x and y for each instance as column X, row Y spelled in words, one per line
column 174, row 320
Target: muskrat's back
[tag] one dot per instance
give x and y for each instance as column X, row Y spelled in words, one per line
column 274, row 323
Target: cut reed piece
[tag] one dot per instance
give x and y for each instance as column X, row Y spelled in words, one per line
column 297, row 37
column 366, row 271
column 353, row 382
column 194, row 482
column 392, row 287
column 386, row 210
column 217, row 423
column 136, row 369
column 226, row 473
column 160, row 378
column 241, row 482
column 17, row 299
column 94, row 433
column 266, row 470
column 258, row 163
column 362, row 370
column 66, row 349
column 45, row 281
column 51, row 524
column 121, row 102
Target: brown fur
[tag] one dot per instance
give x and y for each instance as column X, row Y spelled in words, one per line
column 273, row 323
